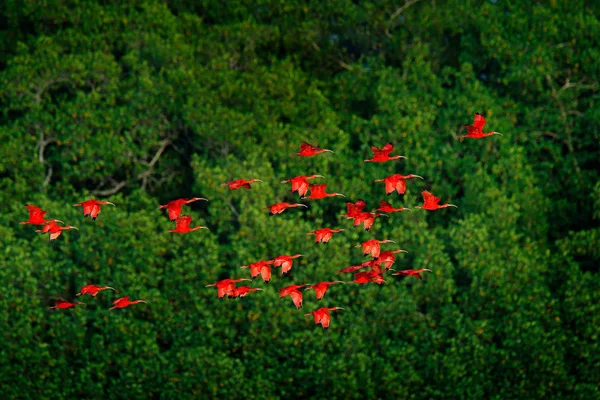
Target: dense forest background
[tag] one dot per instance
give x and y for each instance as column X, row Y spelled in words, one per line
column 142, row 103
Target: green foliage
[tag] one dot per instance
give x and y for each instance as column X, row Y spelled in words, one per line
column 142, row 103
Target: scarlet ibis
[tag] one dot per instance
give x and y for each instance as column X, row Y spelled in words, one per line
column 383, row 154
column 240, row 183
column 372, row 247
column 354, row 209
column 93, row 290
column 387, row 259
column 261, row 268
column 324, row 235
column 386, row 207
column 55, row 230
column 62, row 304
column 36, row 216
column 475, row 131
column 182, row 225
column 322, row 316
column 322, row 287
column 412, row 272
column 225, row 287
column 242, row 291
column 430, row 202
column 300, row 183
column 374, row 276
column 285, row 262
column 174, row 206
column 396, row 183
column 308, row 150
column 318, row 192
column 124, row 302
column 367, row 219
column 294, row 293
column 281, row 207
column 91, row 208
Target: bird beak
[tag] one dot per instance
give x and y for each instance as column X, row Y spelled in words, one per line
column 258, row 180
column 330, row 151
column 78, row 294
column 452, row 205
column 245, row 279
column 58, row 220
column 343, row 230
column 212, row 284
column 259, row 289
column 417, row 176
column 408, row 209
column 74, row 227
column 340, row 308
column 203, row 227
column 339, row 194
column 427, row 270
column 302, row 205
column 112, row 204
column 142, row 301
column 108, row 287
column 402, row 251
column 497, row 133
column 383, row 215
column 319, row 176
column 286, row 181
column 79, row 302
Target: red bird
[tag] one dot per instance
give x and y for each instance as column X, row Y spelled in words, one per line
column 124, row 302
column 374, row 276
column 386, row 207
column 355, row 209
column 318, row 192
column 54, row 230
column 308, row 150
column 91, row 208
column 294, row 293
column 354, row 268
column 322, row 316
column 174, row 206
column 281, row 207
column 65, row 304
column 285, row 262
column 322, row 287
column 367, row 219
column 240, row 183
column 387, row 259
column 225, row 287
column 324, row 235
column 261, row 268
column 372, row 247
column 182, row 225
column 430, row 202
column 475, row 131
column 383, row 154
column 93, row 290
column 300, row 183
column 36, row 216
column 242, row 291
column 412, row 272
column 396, row 183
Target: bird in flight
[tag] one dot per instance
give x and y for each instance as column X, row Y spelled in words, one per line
column 324, row 235
column 281, row 207
column 386, row 207
column 242, row 291
column 322, row 315
column 36, row 216
column 300, row 183
column 308, row 150
column 54, row 230
column 475, row 131
column 240, row 183
column 285, row 262
column 124, row 302
column 294, row 293
column 383, row 154
column 93, row 290
column 354, row 209
column 367, row 219
column 396, row 183
column 262, row 268
column 321, row 288
column 372, row 247
column 412, row 272
column 225, row 286
column 318, row 192
column 387, row 259
column 91, row 208
column 62, row 304
column 430, row 202
column 182, row 225
column 174, row 206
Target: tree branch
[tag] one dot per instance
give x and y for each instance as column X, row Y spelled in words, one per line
column 396, row 14
column 112, row 190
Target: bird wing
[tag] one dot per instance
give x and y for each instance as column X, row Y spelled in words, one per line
column 376, row 150
column 95, row 211
column 317, row 189
column 473, row 130
column 296, row 298
column 286, row 266
column 479, row 121
column 183, row 222
column 298, row 182
column 35, row 211
column 387, row 149
column 390, row 186
column 325, row 319
column 401, row 186
column 117, row 301
column 384, row 203
column 430, row 198
column 307, row 146
column 368, row 222
column 265, row 273
column 174, row 211
column 302, row 188
column 326, row 236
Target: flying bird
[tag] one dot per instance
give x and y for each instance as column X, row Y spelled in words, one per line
column 262, row 268
column 374, row 276
column 285, row 262
column 318, row 192
column 91, row 208
column 225, row 287
column 322, row 316
column 182, row 225
column 54, row 230
column 93, row 290
column 62, row 304
column 36, row 216
column 281, row 207
column 367, row 219
column 174, row 206
column 324, row 235
column 240, row 183
column 412, row 272
column 354, row 209
column 294, row 293
column 475, row 131
column 242, row 291
column 383, row 154
column 300, row 183
column 124, row 302
column 396, row 183
column 387, row 258
column 430, row 202
column 372, row 247
column 308, row 150
column 386, row 207
column 321, row 288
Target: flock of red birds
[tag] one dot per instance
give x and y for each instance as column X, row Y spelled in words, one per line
column 382, row 261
